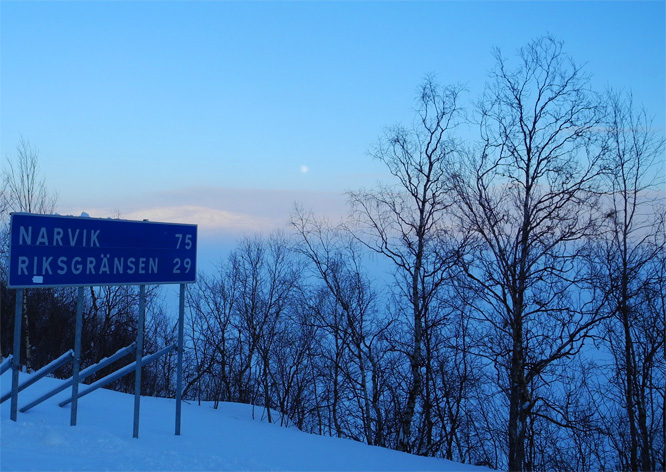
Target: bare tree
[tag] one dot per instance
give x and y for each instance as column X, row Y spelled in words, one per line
column 336, row 260
column 23, row 190
column 215, row 344
column 268, row 277
column 405, row 221
column 627, row 268
column 526, row 198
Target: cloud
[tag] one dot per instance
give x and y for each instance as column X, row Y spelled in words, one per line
column 206, row 218
column 271, row 205
column 223, row 215
column 217, row 210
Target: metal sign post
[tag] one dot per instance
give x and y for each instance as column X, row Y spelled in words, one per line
column 179, row 371
column 16, row 365
column 77, row 358
column 139, row 359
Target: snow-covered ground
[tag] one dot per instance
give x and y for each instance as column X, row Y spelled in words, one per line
column 224, row 439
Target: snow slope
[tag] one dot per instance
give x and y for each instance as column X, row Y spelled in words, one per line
column 224, row 439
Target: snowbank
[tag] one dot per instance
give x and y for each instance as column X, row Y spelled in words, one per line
column 224, row 439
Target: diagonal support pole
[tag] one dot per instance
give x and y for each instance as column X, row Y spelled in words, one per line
column 43, row 372
column 128, row 369
column 82, row 376
column 6, row 364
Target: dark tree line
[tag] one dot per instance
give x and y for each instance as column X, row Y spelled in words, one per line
column 110, row 314
column 521, row 320
column 523, row 327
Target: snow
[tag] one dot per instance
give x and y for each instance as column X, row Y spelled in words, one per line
column 228, row 438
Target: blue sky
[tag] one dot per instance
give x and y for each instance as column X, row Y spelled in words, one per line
column 224, row 113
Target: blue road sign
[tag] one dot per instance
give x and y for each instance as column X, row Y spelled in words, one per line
column 55, row 251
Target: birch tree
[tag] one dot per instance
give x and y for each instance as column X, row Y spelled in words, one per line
column 23, row 190
column 404, row 221
column 335, row 260
column 525, row 196
column 628, row 268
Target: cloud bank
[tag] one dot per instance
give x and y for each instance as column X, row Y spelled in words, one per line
column 218, row 210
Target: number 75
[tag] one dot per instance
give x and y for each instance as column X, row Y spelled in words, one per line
column 188, row 241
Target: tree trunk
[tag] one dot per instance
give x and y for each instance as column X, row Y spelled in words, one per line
column 367, row 416
column 267, row 397
column 517, row 402
column 405, row 433
column 630, row 374
column 336, row 387
column 376, row 397
column 642, row 405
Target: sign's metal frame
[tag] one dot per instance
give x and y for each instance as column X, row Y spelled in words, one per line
column 83, row 246
column 66, row 251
